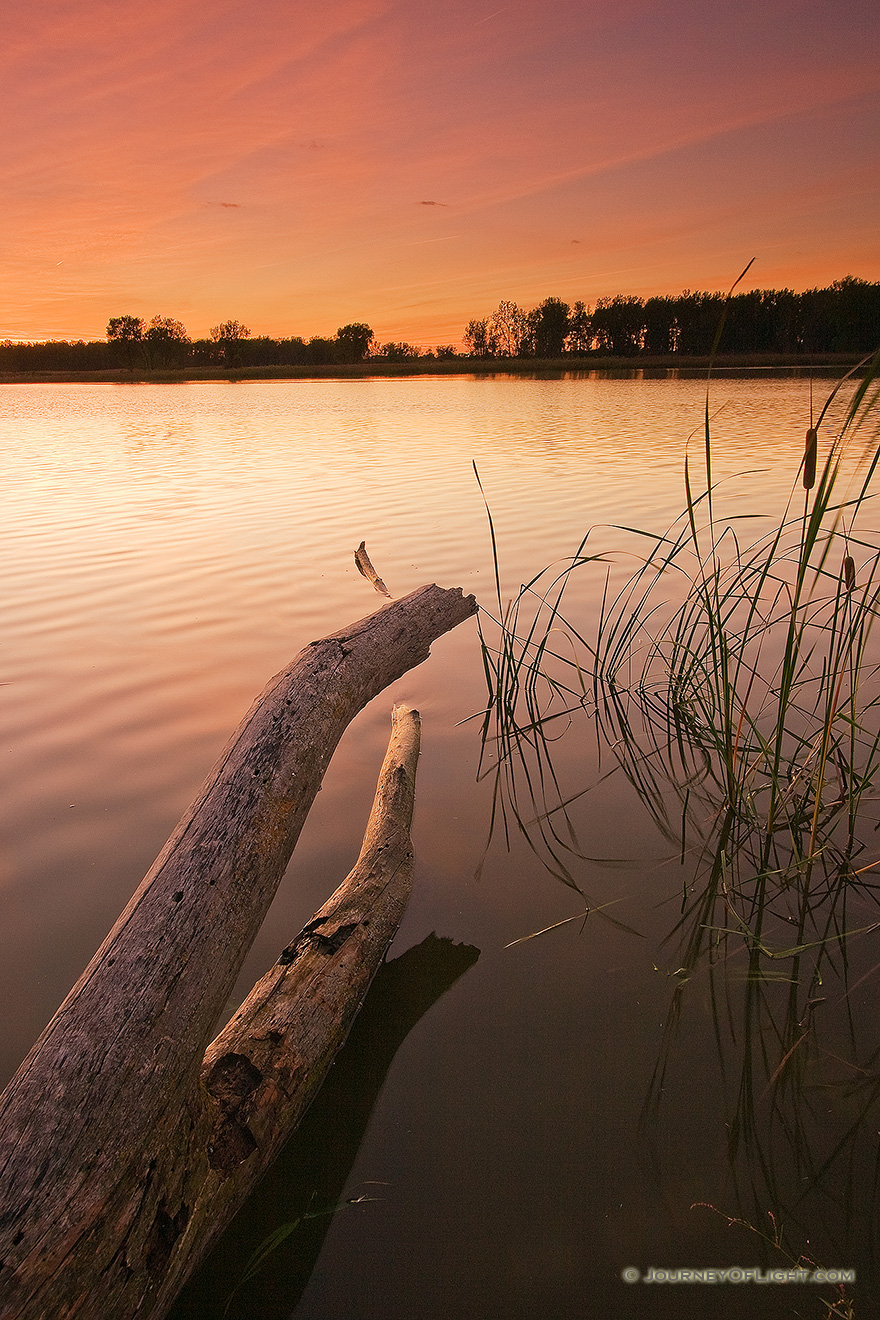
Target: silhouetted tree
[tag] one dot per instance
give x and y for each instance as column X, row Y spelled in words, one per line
column 580, row 329
column 321, row 352
column 202, row 353
column 856, row 315
column 753, row 322
column 293, row 352
column 507, row 330
column 444, row 352
column 476, row 338
column 229, row 337
column 57, row 355
column 166, row 342
column 229, row 330
column 354, row 341
column 619, row 325
column 548, row 326
column 394, row 352
column 126, row 334
column 695, row 321
column 657, row 315
column 785, row 318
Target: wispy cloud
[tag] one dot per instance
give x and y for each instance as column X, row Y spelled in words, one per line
column 663, row 140
column 480, row 21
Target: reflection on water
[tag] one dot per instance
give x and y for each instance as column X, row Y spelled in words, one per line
column 732, row 684
column 768, row 986
column 310, row 1177
column 165, row 549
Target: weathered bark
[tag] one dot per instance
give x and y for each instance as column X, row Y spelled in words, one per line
column 117, row 1151
column 263, row 1069
column 312, row 1172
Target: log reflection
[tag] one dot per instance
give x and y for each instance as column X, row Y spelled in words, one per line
column 310, row 1175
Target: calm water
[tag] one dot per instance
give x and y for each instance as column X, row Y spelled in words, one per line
column 165, row 550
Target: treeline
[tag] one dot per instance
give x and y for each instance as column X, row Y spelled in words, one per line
column 163, row 344
column 843, row 318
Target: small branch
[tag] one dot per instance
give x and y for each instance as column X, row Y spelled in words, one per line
column 365, row 568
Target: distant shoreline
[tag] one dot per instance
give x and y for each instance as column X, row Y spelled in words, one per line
column 726, row 362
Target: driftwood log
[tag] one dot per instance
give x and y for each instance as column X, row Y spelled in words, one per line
column 311, row 1175
column 124, row 1147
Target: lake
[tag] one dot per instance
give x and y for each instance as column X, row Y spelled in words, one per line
column 510, row 1125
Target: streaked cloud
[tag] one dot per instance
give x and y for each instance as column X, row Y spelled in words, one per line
column 675, row 141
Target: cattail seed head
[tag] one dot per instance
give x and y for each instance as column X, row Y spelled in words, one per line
column 849, row 573
column 811, row 445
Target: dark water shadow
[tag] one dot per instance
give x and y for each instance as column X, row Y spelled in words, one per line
column 308, row 1179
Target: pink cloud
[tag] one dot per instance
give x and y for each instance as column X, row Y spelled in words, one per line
column 196, row 158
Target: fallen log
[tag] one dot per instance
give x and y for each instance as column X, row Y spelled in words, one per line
column 124, row 1147
column 312, row 1172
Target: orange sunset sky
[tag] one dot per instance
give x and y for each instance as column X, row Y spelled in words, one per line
column 297, row 166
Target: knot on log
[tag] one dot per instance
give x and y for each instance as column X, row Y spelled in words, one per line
column 312, row 936
column 231, row 1143
column 163, row 1235
column 231, row 1080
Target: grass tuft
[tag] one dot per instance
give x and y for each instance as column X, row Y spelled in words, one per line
column 736, row 684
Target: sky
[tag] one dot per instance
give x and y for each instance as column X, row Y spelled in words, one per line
column 412, row 163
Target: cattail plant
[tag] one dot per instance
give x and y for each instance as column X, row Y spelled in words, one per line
column 753, row 697
column 811, row 446
column 743, row 706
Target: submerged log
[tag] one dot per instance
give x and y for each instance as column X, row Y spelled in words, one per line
column 124, row 1147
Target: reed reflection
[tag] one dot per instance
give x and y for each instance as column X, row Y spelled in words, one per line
column 734, row 687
